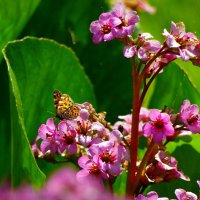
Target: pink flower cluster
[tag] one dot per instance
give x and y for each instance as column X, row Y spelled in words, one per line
column 120, row 24
column 160, row 125
column 184, row 45
column 100, row 150
column 104, row 159
column 68, row 135
column 181, row 194
column 115, row 24
column 62, row 185
column 178, row 44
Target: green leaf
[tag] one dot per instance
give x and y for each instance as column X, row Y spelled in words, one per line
column 120, row 184
column 13, row 17
column 4, row 123
column 68, row 23
column 36, row 67
column 110, row 73
column 192, row 73
column 172, row 87
column 23, row 164
column 108, row 70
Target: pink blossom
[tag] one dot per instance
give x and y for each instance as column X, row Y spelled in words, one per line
column 190, row 117
column 186, row 44
column 67, row 138
column 159, row 127
column 165, row 161
column 49, row 135
column 102, row 28
column 125, row 124
column 91, row 169
column 147, row 48
column 126, row 21
column 163, row 168
column 183, row 195
column 150, row 196
column 111, row 154
column 129, row 51
column 177, row 31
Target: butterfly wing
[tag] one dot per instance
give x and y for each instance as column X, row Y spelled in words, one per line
column 72, row 113
column 65, row 107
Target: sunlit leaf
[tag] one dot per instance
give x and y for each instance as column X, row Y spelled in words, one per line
column 36, row 67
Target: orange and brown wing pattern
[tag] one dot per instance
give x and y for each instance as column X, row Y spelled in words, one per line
column 65, row 107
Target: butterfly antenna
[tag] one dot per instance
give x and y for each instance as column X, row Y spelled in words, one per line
column 54, row 115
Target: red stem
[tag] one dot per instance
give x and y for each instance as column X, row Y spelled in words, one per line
column 151, row 61
column 145, row 160
column 148, row 85
column 134, row 174
column 134, row 132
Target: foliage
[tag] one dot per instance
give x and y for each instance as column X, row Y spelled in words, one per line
column 33, row 67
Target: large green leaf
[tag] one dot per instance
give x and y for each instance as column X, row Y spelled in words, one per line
column 172, row 87
column 4, row 124
column 72, row 28
column 36, row 67
column 13, row 17
column 68, row 22
column 23, row 164
column 109, row 71
column 111, row 74
column 192, row 72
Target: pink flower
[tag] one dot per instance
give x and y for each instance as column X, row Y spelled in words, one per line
column 162, row 168
column 115, row 24
column 165, row 161
column 147, row 47
column 49, row 135
column 129, row 51
column 102, row 28
column 111, row 155
column 183, row 195
column 159, row 127
column 91, row 169
column 190, row 117
column 144, row 49
column 150, row 196
column 67, row 138
column 125, row 124
column 186, row 44
column 127, row 121
column 64, row 185
column 144, row 5
column 198, row 183
column 177, row 31
column 126, row 21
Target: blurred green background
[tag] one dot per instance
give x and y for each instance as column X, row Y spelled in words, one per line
column 95, row 73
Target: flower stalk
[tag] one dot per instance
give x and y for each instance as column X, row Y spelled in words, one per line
column 134, row 132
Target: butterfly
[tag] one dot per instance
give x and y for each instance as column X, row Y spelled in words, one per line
column 65, row 107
